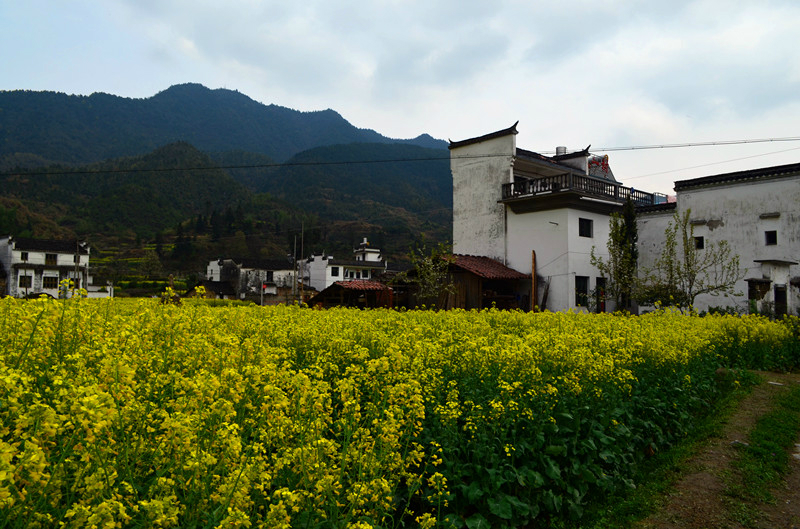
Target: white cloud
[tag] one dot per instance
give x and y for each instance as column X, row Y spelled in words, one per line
column 606, row 72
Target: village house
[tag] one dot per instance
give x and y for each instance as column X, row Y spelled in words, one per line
column 537, row 215
column 31, row 267
column 321, row 271
column 263, row 281
column 756, row 212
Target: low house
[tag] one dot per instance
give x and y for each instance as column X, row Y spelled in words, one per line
column 38, row 266
column 756, row 212
column 321, row 271
column 263, row 281
column 356, row 293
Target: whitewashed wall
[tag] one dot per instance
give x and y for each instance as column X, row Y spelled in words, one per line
column 479, row 170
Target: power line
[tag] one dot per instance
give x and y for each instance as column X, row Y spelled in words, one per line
column 226, row 167
column 711, row 163
column 695, row 144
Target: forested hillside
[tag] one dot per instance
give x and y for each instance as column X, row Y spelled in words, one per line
column 192, row 174
column 47, row 127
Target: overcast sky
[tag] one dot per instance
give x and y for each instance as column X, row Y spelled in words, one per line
column 610, row 73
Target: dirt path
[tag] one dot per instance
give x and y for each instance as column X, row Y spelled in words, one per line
column 698, row 500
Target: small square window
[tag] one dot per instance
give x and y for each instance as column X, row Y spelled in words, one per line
column 24, row 282
column 771, row 237
column 699, row 243
column 50, row 282
column 50, row 259
column 585, row 227
column 334, row 271
column 23, row 256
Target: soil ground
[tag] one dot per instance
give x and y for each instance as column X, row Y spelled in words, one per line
column 698, row 500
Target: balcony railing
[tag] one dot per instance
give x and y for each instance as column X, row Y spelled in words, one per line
column 581, row 184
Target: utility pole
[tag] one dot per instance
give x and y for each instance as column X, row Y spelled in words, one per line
column 302, row 277
column 294, row 258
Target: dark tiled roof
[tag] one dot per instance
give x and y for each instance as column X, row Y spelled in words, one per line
column 361, row 284
column 499, row 134
column 664, row 206
column 487, row 267
column 263, row 264
column 753, row 174
column 220, row 288
column 357, row 264
column 47, row 245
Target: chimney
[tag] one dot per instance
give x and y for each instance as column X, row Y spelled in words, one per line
column 561, row 150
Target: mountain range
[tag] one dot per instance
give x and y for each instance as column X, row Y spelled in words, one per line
column 198, row 173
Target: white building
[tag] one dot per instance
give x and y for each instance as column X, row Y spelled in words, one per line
column 537, row 214
column 265, row 281
column 38, row 266
column 321, row 271
column 758, row 213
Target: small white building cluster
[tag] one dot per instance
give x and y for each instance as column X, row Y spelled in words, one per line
column 543, row 215
column 32, row 267
column 321, row 271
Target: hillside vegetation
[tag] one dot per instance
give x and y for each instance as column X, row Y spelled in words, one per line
column 193, row 174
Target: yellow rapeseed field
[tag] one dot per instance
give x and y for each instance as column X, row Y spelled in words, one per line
column 140, row 414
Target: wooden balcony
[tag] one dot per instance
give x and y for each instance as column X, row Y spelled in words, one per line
column 582, row 185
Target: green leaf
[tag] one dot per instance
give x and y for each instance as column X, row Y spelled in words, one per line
column 500, row 508
column 473, row 492
column 476, row 521
column 554, row 450
column 552, row 501
column 551, row 469
column 588, row 475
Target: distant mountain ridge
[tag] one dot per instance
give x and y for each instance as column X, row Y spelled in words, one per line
column 43, row 128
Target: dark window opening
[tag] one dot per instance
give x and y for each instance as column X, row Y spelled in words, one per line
column 50, row 282
column 780, row 300
column 585, row 227
column 23, row 256
column 334, row 271
column 582, row 291
column 25, row 282
column 771, row 237
column 699, row 243
column 50, row 259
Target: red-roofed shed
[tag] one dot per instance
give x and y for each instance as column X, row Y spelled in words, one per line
column 357, row 293
column 481, row 282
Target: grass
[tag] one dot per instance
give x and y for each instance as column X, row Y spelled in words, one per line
column 765, row 460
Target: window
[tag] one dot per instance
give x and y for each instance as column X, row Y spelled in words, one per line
column 50, row 259
column 771, row 237
column 334, row 271
column 25, row 282
column 699, row 243
column 50, row 282
column 582, row 291
column 23, row 256
column 585, row 227
column 76, row 258
column 270, row 276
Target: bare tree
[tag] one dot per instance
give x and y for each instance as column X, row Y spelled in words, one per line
column 687, row 269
